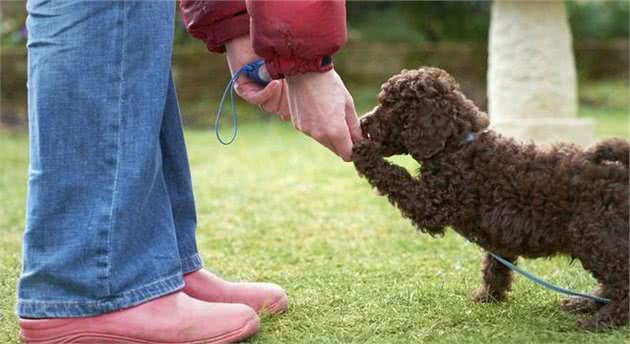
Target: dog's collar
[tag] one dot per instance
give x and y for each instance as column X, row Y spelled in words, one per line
column 472, row 137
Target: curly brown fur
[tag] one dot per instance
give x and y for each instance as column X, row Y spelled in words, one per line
column 512, row 199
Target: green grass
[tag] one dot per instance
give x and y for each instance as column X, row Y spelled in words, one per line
column 608, row 102
column 275, row 206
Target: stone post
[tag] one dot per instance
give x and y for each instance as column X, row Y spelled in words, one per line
column 532, row 89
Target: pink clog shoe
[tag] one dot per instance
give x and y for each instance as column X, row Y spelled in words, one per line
column 206, row 286
column 174, row 318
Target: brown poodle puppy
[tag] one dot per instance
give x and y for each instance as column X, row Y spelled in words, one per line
column 511, row 199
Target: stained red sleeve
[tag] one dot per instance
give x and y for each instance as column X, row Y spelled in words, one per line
column 215, row 22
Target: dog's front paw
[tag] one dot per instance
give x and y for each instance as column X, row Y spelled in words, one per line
column 366, row 148
column 367, row 157
column 485, row 295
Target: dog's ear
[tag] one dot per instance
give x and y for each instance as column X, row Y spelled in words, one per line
column 425, row 135
column 425, row 152
column 427, row 123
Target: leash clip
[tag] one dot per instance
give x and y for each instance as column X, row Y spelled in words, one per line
column 257, row 72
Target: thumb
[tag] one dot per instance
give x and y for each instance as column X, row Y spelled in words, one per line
column 256, row 94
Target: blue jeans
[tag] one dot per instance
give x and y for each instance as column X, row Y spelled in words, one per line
column 110, row 213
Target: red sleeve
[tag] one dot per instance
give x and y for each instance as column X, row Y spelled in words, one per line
column 296, row 36
column 292, row 36
column 215, row 22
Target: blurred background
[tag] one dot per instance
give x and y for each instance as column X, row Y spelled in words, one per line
column 384, row 37
column 336, row 245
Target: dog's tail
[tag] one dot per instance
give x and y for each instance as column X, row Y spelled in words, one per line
column 611, row 150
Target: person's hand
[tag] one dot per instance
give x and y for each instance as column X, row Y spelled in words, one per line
column 273, row 97
column 322, row 108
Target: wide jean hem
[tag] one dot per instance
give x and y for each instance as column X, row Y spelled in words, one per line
column 191, row 264
column 74, row 309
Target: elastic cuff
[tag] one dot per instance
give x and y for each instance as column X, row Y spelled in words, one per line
column 282, row 66
column 37, row 309
column 219, row 33
column 191, row 264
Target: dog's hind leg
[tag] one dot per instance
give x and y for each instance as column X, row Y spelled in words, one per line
column 496, row 280
column 612, row 314
column 603, row 250
column 612, row 271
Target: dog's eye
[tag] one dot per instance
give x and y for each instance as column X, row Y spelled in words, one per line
column 369, row 136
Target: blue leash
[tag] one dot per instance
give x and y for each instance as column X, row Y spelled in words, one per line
column 230, row 88
column 255, row 71
column 548, row 285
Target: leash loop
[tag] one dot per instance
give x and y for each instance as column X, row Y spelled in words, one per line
column 229, row 88
column 548, row 285
column 254, row 70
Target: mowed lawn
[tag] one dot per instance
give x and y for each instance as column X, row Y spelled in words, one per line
column 275, row 206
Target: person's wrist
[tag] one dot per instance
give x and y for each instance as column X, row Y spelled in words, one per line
column 298, row 79
column 238, row 45
column 239, row 52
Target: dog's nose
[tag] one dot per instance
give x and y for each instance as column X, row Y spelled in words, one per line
column 365, row 118
column 366, row 125
column 363, row 122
